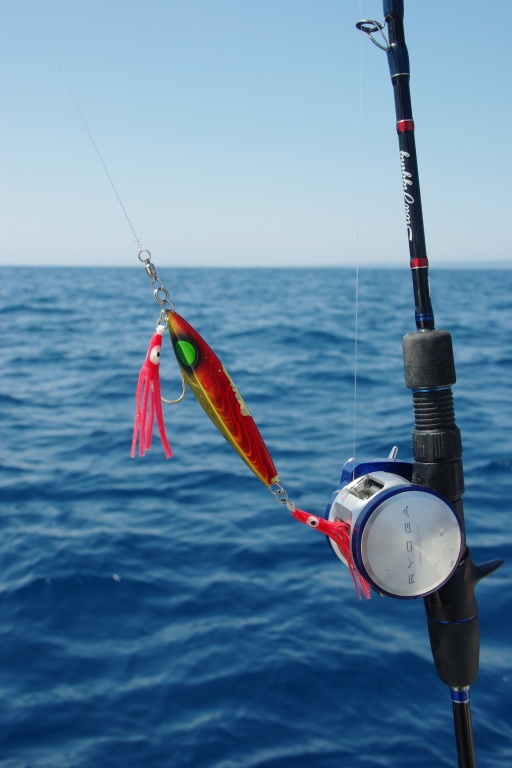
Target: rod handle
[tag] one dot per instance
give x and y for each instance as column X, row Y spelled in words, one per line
column 453, row 629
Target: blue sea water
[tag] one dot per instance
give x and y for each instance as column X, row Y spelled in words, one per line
column 169, row 613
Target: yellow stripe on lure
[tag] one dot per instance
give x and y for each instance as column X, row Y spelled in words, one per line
column 219, row 397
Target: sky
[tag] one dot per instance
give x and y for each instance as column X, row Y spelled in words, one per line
column 249, row 133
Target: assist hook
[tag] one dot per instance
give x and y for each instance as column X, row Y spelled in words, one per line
column 183, row 393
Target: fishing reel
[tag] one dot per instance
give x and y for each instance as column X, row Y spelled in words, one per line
column 405, row 540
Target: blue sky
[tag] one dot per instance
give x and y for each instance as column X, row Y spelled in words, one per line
column 231, row 130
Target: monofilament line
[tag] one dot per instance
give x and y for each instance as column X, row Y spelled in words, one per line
column 358, row 211
column 84, row 122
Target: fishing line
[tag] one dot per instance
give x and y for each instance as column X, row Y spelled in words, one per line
column 358, row 222
column 84, row 122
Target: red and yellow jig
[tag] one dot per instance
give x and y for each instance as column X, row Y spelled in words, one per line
column 220, row 399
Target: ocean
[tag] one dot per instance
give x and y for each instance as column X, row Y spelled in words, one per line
column 168, row 613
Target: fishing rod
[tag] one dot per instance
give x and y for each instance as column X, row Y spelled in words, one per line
column 429, row 507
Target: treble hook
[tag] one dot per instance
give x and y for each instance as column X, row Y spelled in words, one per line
column 369, row 26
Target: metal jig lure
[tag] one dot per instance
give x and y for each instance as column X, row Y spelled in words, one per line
column 219, row 397
column 222, row 402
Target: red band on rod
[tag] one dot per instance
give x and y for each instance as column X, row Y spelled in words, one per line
column 419, row 263
column 404, row 125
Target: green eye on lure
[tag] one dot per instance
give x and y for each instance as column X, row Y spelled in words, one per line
column 219, row 397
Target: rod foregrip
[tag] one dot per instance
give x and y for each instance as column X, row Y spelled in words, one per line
column 428, row 360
